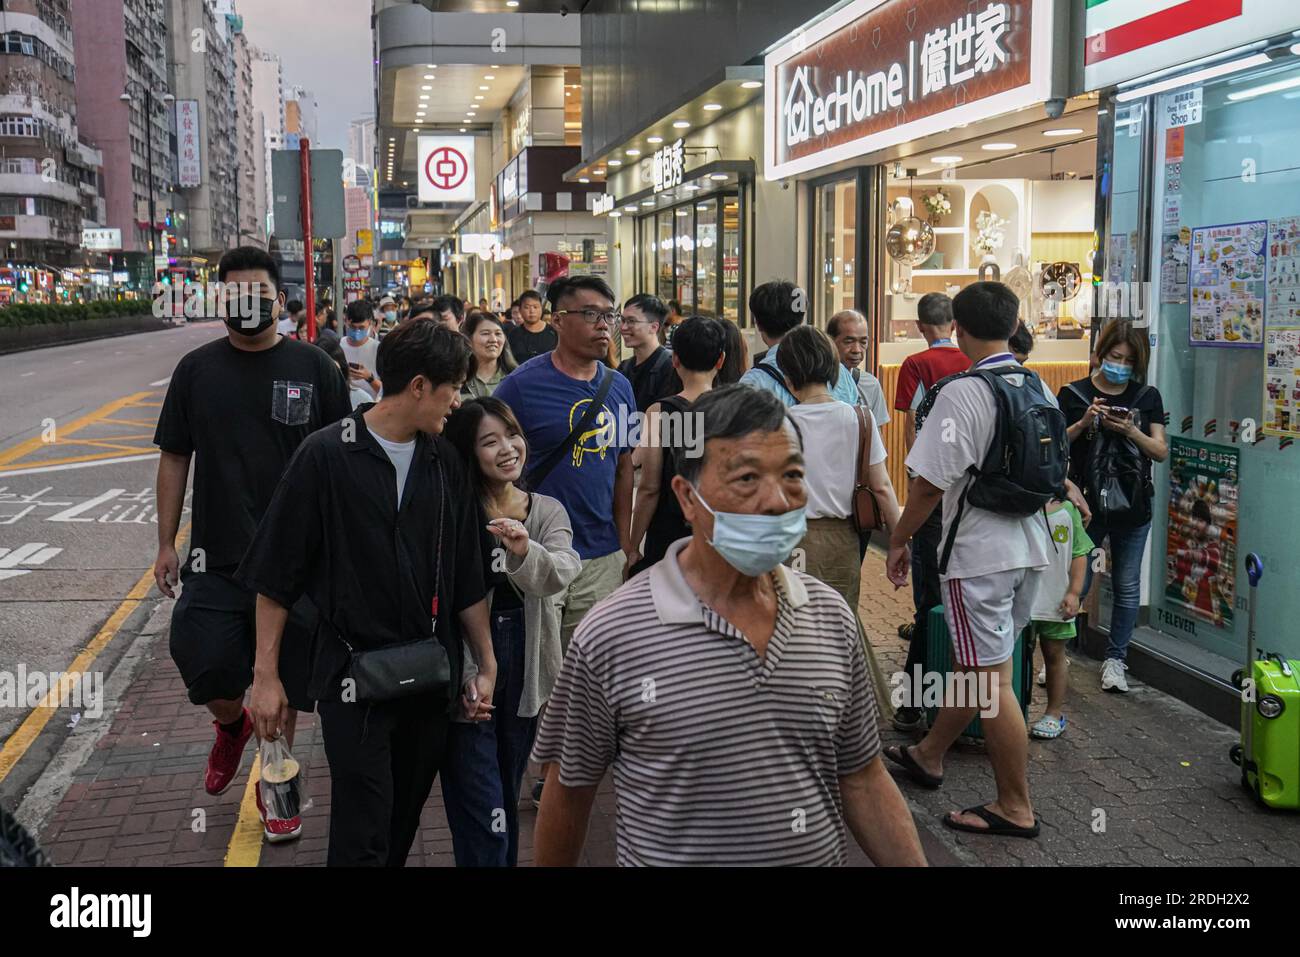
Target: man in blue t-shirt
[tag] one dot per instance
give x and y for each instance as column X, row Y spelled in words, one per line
column 550, row 394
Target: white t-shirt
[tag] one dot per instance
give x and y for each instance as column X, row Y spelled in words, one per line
column 956, row 437
column 286, row 325
column 359, row 394
column 1054, row 580
column 830, row 436
column 366, row 354
column 400, row 454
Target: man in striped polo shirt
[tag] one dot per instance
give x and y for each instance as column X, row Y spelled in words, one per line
column 729, row 693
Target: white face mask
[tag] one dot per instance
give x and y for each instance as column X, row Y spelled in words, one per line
column 754, row 544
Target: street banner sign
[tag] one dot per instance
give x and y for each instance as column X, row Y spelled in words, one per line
column 328, row 219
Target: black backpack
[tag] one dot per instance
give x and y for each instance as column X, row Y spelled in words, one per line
column 1116, row 475
column 1027, row 461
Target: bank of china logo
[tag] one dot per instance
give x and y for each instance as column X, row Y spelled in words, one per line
column 596, row 439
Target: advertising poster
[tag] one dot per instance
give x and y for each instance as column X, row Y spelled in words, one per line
column 1282, row 330
column 1201, row 542
column 1228, row 284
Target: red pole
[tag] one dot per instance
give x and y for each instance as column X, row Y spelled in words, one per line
column 309, row 259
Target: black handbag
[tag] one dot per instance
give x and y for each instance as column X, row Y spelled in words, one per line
column 412, row 667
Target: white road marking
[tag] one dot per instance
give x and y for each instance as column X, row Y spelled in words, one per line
column 80, row 465
column 33, row 553
column 161, row 381
column 70, row 514
column 26, row 374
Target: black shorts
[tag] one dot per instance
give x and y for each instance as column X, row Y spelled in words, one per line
column 214, row 641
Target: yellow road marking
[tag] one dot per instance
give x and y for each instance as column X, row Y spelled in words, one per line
column 38, row 442
column 138, row 422
column 72, row 459
column 101, row 444
column 35, row 722
column 245, row 848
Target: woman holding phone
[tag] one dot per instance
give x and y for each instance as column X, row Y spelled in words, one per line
column 528, row 550
column 1116, row 427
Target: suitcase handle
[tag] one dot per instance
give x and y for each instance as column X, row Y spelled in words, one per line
column 1254, row 568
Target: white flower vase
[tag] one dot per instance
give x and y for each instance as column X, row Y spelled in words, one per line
column 989, row 270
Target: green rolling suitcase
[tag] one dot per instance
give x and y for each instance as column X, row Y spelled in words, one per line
column 1269, row 752
column 938, row 660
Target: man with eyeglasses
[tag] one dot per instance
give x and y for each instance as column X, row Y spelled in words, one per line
column 579, row 454
column 650, row 369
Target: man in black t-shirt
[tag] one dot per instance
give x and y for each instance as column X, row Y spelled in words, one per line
column 650, row 368
column 398, row 565
column 533, row 336
column 240, row 407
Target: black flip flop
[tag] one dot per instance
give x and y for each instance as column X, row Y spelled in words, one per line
column 997, row 825
column 901, row 756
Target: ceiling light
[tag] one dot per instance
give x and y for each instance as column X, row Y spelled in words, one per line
column 751, row 84
column 1254, row 91
column 489, row 76
column 598, row 172
column 1070, row 131
column 615, row 215
column 583, row 179
column 495, row 67
column 483, row 88
column 654, row 139
column 432, row 66
column 479, row 96
column 945, row 160
column 712, row 107
column 615, row 162
column 680, row 124
column 424, row 96
column 632, row 152
column 430, row 76
column 462, row 129
column 426, row 87
column 718, row 176
column 629, row 209
column 690, row 188
column 647, row 202
column 683, row 212
column 994, row 147
column 512, row 3
column 416, row 130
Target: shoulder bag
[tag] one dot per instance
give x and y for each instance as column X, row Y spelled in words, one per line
column 867, row 516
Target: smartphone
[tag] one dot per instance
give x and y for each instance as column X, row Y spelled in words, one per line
column 354, row 365
column 1118, row 411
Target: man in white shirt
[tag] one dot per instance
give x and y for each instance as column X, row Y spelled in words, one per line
column 361, row 347
column 988, row 584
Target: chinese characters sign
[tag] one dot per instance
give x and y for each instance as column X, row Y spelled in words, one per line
column 1201, row 540
column 1228, row 266
column 882, row 72
column 189, row 146
column 669, row 164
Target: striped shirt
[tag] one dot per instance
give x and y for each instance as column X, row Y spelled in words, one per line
column 719, row 756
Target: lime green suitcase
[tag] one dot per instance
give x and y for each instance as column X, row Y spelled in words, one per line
column 1269, row 752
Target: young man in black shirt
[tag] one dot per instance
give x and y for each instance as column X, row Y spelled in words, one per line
column 534, row 335
column 650, row 367
column 240, row 407
column 398, row 564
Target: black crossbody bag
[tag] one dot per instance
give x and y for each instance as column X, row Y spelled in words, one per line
column 547, row 465
column 412, row 667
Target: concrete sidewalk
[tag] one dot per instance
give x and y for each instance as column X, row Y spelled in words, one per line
column 1136, row 779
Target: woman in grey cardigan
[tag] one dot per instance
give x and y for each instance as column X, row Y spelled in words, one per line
column 528, row 548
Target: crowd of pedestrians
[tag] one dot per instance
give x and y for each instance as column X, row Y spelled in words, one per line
column 468, row 538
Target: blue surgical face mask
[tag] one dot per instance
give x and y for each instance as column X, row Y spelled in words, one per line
column 1116, row 373
column 755, row 544
column 358, row 335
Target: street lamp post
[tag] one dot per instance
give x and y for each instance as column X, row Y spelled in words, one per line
column 135, row 88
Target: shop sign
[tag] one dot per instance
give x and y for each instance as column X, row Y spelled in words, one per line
column 101, row 238
column 882, row 72
column 1127, row 39
column 446, row 169
column 188, row 144
column 669, row 165
column 352, row 264
column 1183, row 108
column 365, row 242
column 602, row 203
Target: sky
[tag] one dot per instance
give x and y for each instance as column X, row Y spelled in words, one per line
column 325, row 46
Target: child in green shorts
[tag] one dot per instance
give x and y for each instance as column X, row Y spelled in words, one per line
column 1056, row 602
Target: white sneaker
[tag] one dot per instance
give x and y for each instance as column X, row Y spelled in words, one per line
column 1112, row 675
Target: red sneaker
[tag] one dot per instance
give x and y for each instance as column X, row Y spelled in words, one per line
column 226, row 756
column 276, row 830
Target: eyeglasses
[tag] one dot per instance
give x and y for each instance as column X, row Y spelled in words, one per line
column 633, row 321
column 590, row 316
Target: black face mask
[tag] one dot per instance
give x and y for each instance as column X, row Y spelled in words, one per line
column 252, row 325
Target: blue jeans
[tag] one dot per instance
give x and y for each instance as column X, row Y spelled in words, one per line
column 486, row 760
column 1126, row 547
